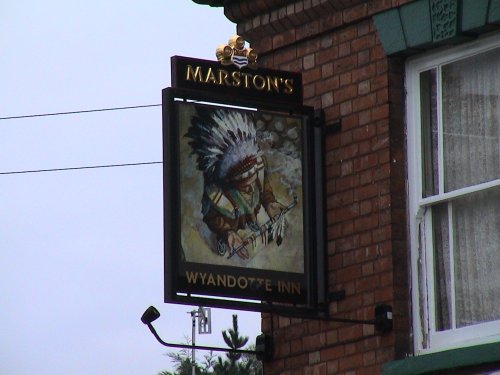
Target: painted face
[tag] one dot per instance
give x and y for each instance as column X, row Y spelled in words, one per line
column 245, row 185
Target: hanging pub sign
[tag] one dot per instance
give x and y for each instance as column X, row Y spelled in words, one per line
column 239, row 178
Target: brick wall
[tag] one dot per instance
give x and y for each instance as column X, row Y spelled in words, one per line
column 346, row 73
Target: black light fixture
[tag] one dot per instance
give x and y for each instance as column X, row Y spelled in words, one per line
column 150, row 315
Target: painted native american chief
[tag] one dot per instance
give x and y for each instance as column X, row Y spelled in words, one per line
column 236, row 184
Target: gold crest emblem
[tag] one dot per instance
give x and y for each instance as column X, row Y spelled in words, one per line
column 235, row 53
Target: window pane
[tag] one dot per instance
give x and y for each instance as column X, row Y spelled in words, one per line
column 428, row 114
column 471, row 114
column 442, row 267
column 476, row 228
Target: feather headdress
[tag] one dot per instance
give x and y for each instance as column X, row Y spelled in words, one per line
column 224, row 141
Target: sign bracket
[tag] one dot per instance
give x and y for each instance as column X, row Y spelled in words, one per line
column 151, row 314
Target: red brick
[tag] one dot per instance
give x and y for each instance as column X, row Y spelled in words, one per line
column 363, row 28
column 332, row 232
column 326, row 99
column 365, row 239
column 383, row 264
column 308, row 61
column 365, row 146
column 363, row 73
column 346, row 34
column 348, row 273
column 347, row 182
column 382, row 95
column 363, row 43
column 379, row 143
column 332, row 367
column 366, row 177
column 364, row 132
column 355, row 13
column 346, row 108
column 364, row 87
column 311, row 46
column 314, row 342
column 308, row 91
column 383, row 295
column 319, row 369
column 367, row 269
column 285, row 56
column 332, row 352
column 330, row 21
column 311, row 75
column 347, row 228
column 344, row 64
column 346, row 168
column 344, row 49
column 350, row 362
column 350, row 121
column 347, row 243
column 365, row 207
column 367, row 283
column 327, row 85
column 386, row 279
column 297, row 361
column 382, row 66
column 365, row 117
column 350, row 349
column 376, row 6
column 382, row 172
column 296, row 346
column 365, row 162
column 365, row 223
column 308, row 29
column 364, row 102
column 345, row 79
column 345, row 93
column 380, row 112
column 327, row 70
column 327, row 55
column 371, row 370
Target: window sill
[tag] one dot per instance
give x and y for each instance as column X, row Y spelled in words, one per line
column 450, row 359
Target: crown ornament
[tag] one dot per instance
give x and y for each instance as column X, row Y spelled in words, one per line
column 234, row 52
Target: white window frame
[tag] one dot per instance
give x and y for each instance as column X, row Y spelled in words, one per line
column 425, row 337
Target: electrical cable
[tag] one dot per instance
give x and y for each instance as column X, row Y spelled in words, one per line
column 79, row 168
column 77, row 112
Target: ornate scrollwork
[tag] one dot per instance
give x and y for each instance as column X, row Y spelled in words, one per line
column 444, row 19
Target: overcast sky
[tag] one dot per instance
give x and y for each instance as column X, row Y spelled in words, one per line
column 81, row 251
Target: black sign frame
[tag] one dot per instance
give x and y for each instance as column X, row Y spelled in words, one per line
column 259, row 289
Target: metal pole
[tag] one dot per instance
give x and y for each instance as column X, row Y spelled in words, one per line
column 193, row 333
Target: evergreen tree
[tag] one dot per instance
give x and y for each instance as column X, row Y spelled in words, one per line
column 233, row 364
column 233, row 340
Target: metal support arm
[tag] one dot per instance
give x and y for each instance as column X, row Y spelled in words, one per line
column 151, row 314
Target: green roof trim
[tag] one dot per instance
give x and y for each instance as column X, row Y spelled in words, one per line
column 494, row 13
column 417, row 23
column 447, row 360
column 474, row 14
column 424, row 24
column 393, row 36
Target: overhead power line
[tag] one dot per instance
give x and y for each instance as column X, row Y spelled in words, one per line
column 77, row 112
column 84, row 167
column 79, row 168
